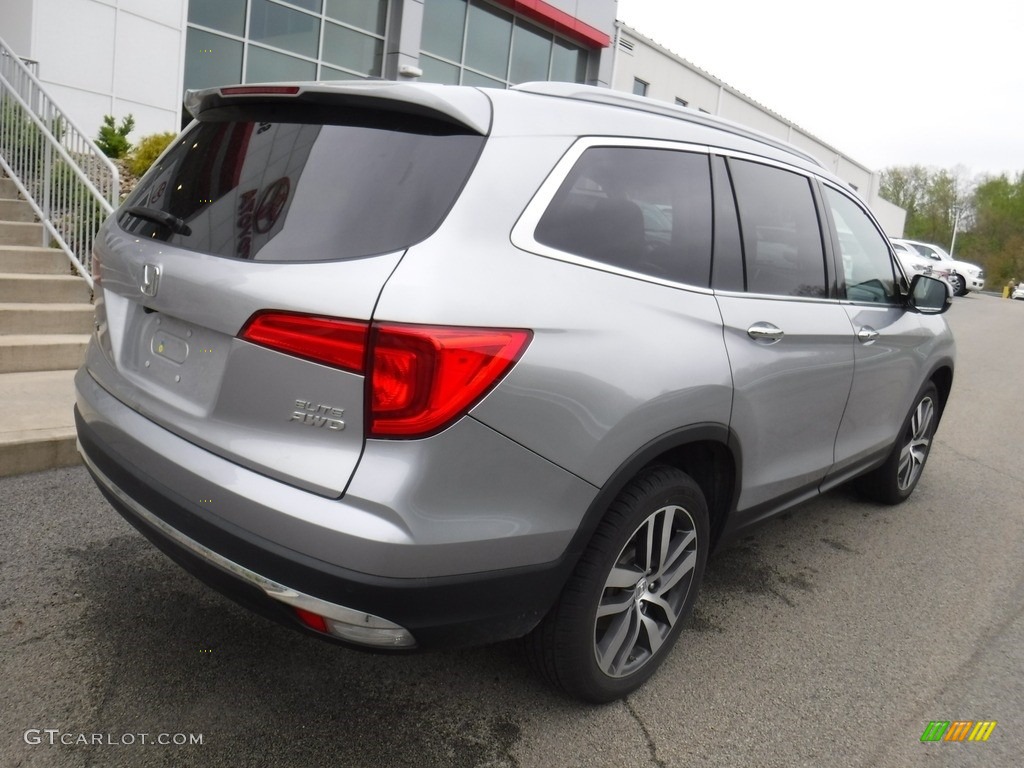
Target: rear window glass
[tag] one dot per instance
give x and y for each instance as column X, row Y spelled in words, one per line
column 271, row 186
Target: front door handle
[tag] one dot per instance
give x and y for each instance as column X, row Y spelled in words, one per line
column 765, row 333
column 867, row 335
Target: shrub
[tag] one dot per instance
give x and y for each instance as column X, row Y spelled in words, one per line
column 113, row 139
column 147, row 151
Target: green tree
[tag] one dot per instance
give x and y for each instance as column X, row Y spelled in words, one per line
column 113, row 139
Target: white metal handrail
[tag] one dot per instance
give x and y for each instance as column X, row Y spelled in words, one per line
column 70, row 183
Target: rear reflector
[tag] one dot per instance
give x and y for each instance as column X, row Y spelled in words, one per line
column 311, row 620
column 419, row 378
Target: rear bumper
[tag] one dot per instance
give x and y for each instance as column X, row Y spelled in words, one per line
column 273, row 579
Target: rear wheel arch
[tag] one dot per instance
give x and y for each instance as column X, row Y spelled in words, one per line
column 708, row 453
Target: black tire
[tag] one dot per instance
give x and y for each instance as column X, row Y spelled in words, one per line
column 959, row 284
column 895, row 480
column 624, row 606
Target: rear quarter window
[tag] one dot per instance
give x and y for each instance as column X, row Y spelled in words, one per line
column 645, row 210
column 268, row 185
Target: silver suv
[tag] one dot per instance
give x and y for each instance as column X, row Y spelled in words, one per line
column 412, row 366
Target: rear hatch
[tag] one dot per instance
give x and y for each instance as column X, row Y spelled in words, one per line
column 279, row 213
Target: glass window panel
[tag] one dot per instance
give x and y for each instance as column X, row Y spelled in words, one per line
column 309, row 5
column 644, row 210
column 867, row 265
column 370, row 15
column 488, row 35
column 269, row 66
column 435, row 71
column 444, row 22
column 317, row 190
column 781, row 233
column 483, row 81
column 327, row 73
column 353, row 50
column 568, row 62
column 284, row 28
column 225, row 15
column 531, row 54
column 211, row 60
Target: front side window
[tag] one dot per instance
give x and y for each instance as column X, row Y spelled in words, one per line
column 782, row 243
column 645, row 210
column 867, row 265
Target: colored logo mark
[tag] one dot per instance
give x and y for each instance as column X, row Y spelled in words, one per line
column 958, row 730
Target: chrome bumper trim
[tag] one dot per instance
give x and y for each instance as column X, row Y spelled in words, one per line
column 365, row 622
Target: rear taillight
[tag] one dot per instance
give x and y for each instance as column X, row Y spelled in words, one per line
column 333, row 342
column 419, row 378
column 423, row 377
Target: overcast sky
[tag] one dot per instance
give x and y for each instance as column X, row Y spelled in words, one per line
column 887, row 82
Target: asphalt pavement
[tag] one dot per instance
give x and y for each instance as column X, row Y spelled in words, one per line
column 833, row 636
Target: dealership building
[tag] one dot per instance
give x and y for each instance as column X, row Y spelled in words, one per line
column 120, row 57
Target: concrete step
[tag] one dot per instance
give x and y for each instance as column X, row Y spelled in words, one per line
column 34, row 289
column 52, row 317
column 21, row 353
column 37, row 426
column 16, row 210
column 27, row 259
column 8, row 189
column 21, row 233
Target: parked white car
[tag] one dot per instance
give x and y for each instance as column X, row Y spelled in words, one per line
column 914, row 263
column 1018, row 292
column 964, row 276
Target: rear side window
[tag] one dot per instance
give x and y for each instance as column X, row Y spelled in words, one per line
column 644, row 210
column 782, row 243
column 289, row 185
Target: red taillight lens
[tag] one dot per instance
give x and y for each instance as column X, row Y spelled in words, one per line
column 327, row 340
column 424, row 377
column 420, row 378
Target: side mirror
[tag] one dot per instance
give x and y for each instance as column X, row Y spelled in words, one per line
column 929, row 295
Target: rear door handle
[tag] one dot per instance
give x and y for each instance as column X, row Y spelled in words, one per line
column 765, row 333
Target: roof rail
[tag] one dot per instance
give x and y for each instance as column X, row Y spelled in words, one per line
column 606, row 96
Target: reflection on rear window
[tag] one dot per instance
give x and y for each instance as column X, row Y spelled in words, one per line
column 289, row 191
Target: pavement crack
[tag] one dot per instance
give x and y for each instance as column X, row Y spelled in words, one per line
column 651, row 746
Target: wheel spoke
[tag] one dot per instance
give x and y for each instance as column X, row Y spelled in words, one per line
column 670, row 561
column 683, row 567
column 653, row 632
column 667, row 610
column 614, row 648
column 623, row 578
column 618, row 602
column 646, row 558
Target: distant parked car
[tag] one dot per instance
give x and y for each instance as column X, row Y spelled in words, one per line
column 915, row 264
column 964, row 276
column 1018, row 292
